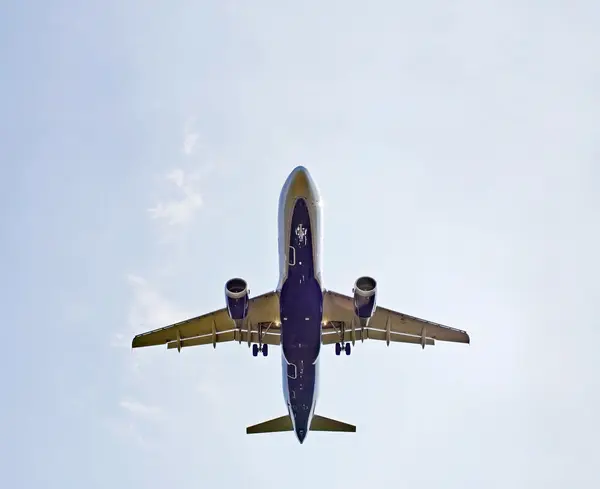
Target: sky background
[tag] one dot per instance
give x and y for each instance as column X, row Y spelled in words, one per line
column 144, row 145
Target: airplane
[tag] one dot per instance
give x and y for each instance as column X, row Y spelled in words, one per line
column 300, row 315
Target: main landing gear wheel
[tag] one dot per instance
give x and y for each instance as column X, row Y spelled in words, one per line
column 348, row 348
column 338, row 348
column 256, row 349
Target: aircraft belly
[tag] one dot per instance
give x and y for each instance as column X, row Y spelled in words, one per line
column 301, row 303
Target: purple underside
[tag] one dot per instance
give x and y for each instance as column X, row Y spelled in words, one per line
column 364, row 306
column 301, row 304
column 238, row 308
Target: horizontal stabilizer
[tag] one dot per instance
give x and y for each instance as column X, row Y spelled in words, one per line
column 321, row 423
column 284, row 423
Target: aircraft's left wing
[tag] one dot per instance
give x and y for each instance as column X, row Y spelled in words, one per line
column 217, row 327
column 340, row 324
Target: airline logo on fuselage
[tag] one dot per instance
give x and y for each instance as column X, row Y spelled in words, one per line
column 301, row 232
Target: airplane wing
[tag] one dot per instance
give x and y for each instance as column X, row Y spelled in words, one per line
column 341, row 324
column 217, row 327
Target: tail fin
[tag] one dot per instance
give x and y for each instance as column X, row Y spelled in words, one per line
column 321, row 423
column 283, row 423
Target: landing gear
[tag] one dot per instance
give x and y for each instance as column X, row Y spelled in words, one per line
column 347, row 347
column 256, row 348
column 260, row 346
column 342, row 345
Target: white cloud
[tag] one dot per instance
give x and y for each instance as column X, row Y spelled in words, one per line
column 189, row 142
column 176, row 176
column 119, row 341
column 149, row 308
column 190, row 138
column 140, row 423
column 141, row 410
column 129, row 432
column 180, row 210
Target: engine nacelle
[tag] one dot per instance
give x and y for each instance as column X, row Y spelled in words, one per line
column 365, row 299
column 236, row 297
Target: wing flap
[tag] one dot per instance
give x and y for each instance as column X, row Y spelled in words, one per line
column 203, row 340
column 225, row 336
column 332, row 337
column 376, row 334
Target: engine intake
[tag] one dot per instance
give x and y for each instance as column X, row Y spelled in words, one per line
column 365, row 298
column 236, row 297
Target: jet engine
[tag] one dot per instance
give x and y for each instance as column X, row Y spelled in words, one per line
column 236, row 298
column 365, row 299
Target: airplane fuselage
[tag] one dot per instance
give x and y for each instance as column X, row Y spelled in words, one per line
column 300, row 296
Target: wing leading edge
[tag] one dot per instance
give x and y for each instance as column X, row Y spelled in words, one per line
column 217, row 327
column 385, row 325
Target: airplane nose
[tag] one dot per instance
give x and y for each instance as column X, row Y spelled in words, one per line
column 301, row 435
column 301, row 175
column 300, row 169
column 301, row 183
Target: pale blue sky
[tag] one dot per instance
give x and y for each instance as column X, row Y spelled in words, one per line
column 144, row 145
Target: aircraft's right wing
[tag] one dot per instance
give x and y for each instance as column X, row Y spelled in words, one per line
column 217, row 327
column 385, row 325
